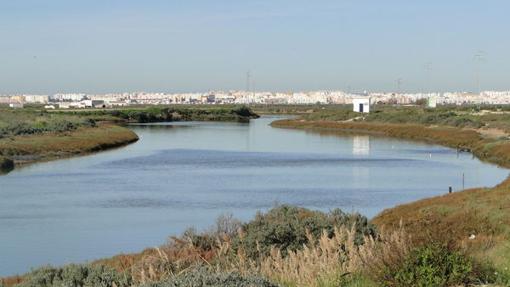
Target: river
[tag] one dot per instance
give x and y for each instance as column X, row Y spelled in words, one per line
column 186, row 174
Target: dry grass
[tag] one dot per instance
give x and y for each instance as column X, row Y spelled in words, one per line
column 11, row 281
column 170, row 261
column 322, row 262
column 376, row 256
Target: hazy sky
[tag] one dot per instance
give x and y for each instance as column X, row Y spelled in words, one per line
column 288, row 45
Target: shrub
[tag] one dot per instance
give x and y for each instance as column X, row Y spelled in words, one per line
column 244, row 111
column 75, row 276
column 286, row 227
column 202, row 277
column 436, row 266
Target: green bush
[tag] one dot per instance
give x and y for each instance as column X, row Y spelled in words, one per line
column 244, row 111
column 31, row 122
column 202, row 277
column 76, row 276
column 286, row 227
column 165, row 114
column 432, row 266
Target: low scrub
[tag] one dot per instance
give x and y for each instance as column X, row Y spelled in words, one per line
column 15, row 123
column 289, row 228
column 204, row 277
column 169, row 114
column 437, row 266
column 76, row 276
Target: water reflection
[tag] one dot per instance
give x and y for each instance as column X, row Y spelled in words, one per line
column 361, row 145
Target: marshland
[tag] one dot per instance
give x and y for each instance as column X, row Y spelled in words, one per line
column 345, row 172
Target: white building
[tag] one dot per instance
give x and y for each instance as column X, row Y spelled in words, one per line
column 36, row 99
column 361, row 105
column 16, row 105
column 432, row 102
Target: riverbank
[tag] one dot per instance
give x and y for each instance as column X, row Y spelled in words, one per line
column 490, row 149
column 476, row 220
column 25, row 149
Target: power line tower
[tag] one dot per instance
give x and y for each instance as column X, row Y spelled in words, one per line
column 248, row 81
column 428, row 70
column 479, row 58
column 399, row 84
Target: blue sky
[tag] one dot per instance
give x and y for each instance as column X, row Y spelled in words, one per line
column 288, row 45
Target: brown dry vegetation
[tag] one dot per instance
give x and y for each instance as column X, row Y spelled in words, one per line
column 327, row 260
column 453, row 218
column 486, row 148
column 47, row 146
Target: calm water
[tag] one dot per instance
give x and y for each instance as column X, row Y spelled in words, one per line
column 186, row 174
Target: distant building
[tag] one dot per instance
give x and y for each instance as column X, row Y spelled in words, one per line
column 93, row 103
column 208, row 99
column 361, row 105
column 36, row 99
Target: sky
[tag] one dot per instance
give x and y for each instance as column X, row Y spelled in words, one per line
column 100, row 46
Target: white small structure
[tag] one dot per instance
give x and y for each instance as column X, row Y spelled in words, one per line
column 16, row 105
column 432, row 102
column 361, row 105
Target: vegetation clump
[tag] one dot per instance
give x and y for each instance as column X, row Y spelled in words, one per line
column 435, row 265
column 174, row 113
column 287, row 228
column 203, row 277
column 16, row 123
column 76, row 276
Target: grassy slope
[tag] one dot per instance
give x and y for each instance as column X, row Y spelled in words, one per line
column 451, row 218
